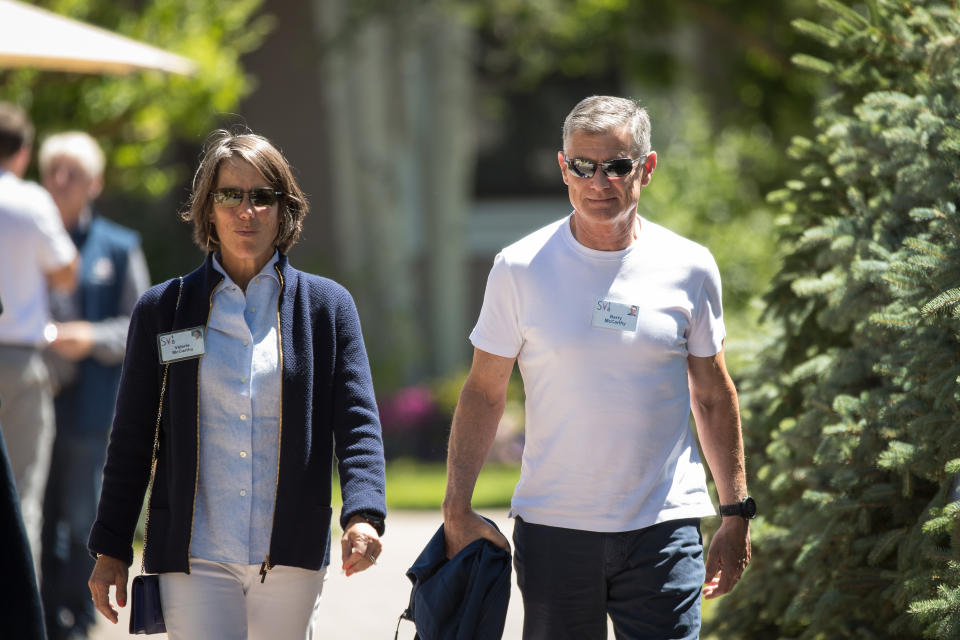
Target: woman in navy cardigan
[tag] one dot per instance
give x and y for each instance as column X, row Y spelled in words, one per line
column 243, row 379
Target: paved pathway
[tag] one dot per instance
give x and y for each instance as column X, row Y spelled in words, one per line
column 373, row 600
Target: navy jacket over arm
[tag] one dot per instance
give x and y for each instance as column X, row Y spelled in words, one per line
column 464, row 598
column 327, row 406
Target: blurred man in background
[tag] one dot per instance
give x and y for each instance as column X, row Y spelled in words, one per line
column 85, row 359
column 36, row 255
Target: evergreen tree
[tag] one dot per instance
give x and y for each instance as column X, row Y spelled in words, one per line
column 852, row 421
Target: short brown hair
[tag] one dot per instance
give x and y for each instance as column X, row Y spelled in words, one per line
column 16, row 130
column 271, row 164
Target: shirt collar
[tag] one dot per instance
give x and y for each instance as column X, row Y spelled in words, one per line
column 267, row 270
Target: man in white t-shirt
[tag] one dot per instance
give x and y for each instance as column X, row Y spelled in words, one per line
column 617, row 327
column 36, row 254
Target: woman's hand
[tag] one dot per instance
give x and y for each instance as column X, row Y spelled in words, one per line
column 108, row 572
column 360, row 545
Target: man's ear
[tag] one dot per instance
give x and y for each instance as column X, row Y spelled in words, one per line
column 649, row 164
column 563, row 167
column 95, row 189
column 20, row 161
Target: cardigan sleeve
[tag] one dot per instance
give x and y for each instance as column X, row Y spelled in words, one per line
column 356, row 422
column 127, row 468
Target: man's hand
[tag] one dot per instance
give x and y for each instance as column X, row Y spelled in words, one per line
column 462, row 528
column 728, row 556
column 74, row 340
column 108, row 572
column 360, row 546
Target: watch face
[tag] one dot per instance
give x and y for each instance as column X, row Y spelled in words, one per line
column 748, row 508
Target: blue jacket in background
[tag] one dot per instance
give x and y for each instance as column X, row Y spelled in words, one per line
column 463, row 598
column 85, row 407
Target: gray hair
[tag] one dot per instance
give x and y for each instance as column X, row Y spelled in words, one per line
column 603, row 114
column 76, row 145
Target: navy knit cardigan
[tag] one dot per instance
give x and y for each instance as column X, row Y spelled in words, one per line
column 327, row 406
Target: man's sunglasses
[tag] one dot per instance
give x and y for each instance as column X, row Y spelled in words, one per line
column 230, row 198
column 616, row 168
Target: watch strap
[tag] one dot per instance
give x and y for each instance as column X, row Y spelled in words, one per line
column 374, row 520
column 730, row 509
column 746, row 509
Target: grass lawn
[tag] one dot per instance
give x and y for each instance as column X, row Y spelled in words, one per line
column 420, row 485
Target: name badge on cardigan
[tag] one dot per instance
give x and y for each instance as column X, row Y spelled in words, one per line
column 614, row 315
column 181, row 345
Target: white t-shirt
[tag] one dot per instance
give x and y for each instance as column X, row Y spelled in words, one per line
column 33, row 243
column 602, row 339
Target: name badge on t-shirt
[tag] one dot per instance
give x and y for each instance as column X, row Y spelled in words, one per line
column 615, row 315
column 181, row 345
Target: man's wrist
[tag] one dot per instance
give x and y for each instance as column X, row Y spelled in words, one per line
column 745, row 508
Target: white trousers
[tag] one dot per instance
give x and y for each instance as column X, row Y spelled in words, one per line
column 220, row 601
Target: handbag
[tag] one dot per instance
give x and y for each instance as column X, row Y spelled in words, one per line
column 146, row 607
column 146, row 610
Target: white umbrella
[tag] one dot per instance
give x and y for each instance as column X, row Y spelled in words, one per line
column 39, row 39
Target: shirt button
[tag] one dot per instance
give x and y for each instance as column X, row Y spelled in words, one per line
column 243, row 379
column 246, row 342
column 253, row 309
column 243, row 416
column 243, row 454
column 243, row 492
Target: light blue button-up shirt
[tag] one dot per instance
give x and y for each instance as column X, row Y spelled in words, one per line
column 239, row 421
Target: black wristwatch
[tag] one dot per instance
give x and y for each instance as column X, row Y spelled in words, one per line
column 374, row 521
column 746, row 509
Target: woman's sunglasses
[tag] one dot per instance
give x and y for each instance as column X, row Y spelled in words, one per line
column 230, row 198
column 617, row 168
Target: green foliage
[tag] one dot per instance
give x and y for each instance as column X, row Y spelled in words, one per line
column 413, row 484
column 137, row 117
column 940, row 613
column 852, row 418
column 708, row 187
column 419, row 485
column 734, row 54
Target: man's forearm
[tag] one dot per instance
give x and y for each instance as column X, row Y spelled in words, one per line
column 474, row 427
column 110, row 340
column 64, row 279
column 718, row 426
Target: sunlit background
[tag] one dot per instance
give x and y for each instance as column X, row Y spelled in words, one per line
column 425, row 134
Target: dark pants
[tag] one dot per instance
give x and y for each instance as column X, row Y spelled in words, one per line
column 648, row 581
column 21, row 615
column 69, row 509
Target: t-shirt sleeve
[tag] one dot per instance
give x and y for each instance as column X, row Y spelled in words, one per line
column 707, row 331
column 55, row 249
column 498, row 330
